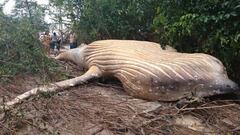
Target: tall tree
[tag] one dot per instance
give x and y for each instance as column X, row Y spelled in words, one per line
column 30, row 10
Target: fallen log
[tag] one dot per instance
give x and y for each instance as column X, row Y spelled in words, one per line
column 53, row 87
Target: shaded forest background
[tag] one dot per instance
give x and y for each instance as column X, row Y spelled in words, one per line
column 206, row 26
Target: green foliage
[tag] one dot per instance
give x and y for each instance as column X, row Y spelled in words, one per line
column 20, row 50
column 209, row 26
column 118, row 19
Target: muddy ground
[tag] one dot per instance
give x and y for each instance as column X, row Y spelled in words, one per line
column 103, row 108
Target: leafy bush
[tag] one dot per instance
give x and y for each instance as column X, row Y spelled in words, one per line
column 20, row 50
column 104, row 19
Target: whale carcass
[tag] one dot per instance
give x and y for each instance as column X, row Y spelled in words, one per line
column 148, row 72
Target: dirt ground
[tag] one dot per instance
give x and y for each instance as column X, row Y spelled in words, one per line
column 98, row 108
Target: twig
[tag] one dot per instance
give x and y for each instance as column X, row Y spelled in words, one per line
column 236, row 129
column 131, row 108
column 36, row 126
column 142, row 131
column 98, row 131
column 7, row 76
column 2, row 61
column 145, row 123
column 12, row 131
column 156, row 130
column 113, row 123
column 209, row 107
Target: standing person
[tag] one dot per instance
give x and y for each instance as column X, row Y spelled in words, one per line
column 73, row 40
column 60, row 41
column 45, row 39
column 54, row 41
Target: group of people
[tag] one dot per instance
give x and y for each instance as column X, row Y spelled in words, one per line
column 54, row 42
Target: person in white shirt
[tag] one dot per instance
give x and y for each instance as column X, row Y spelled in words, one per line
column 54, row 42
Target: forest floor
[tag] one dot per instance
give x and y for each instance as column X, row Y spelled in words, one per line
column 103, row 108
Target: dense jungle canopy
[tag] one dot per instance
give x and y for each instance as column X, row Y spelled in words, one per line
column 206, row 26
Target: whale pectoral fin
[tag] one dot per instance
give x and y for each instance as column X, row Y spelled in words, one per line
column 93, row 72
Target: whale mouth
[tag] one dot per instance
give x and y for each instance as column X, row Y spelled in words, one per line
column 222, row 87
column 232, row 86
column 236, row 87
column 226, row 96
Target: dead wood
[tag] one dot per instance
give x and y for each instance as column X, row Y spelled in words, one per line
column 53, row 87
column 91, row 73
